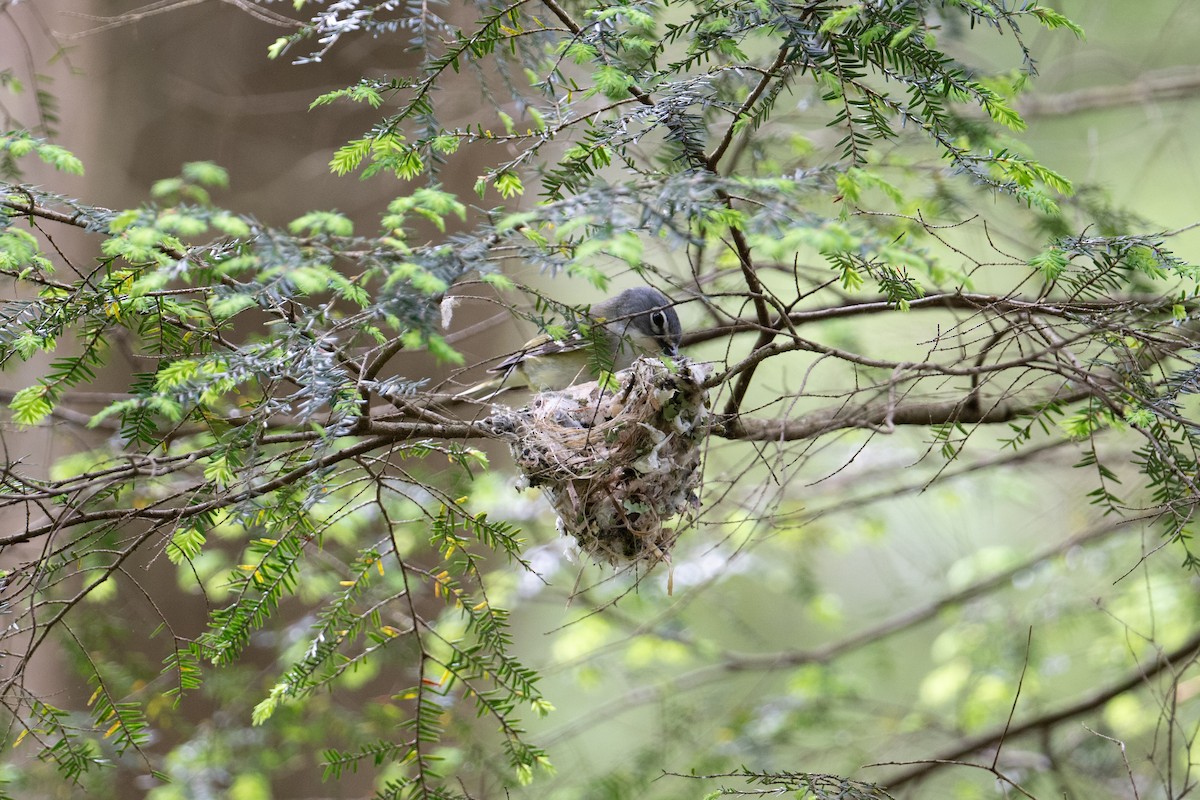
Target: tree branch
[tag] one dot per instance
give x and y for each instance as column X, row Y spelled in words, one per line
column 952, row 301
column 768, row 76
column 1150, row 87
column 789, row 659
column 1084, row 705
column 885, row 415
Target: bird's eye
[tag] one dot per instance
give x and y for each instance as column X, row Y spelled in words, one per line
column 658, row 321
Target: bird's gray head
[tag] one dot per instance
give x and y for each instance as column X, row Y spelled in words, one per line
column 646, row 314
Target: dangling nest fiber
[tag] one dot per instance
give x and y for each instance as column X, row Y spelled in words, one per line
column 616, row 463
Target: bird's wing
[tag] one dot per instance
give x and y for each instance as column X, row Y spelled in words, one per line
column 542, row 345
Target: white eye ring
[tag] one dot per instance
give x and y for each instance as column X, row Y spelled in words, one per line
column 658, row 321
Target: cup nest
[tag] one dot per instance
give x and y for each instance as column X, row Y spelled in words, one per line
column 617, row 461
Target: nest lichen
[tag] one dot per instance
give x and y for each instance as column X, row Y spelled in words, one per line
column 617, row 461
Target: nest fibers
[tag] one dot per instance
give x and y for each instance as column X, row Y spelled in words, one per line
column 618, row 461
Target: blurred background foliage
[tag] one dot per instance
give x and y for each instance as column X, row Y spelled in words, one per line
column 880, row 606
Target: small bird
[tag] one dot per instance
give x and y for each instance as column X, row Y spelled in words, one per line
column 639, row 321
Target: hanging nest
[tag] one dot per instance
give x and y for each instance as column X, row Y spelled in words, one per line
column 616, row 462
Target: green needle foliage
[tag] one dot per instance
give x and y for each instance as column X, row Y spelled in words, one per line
column 311, row 491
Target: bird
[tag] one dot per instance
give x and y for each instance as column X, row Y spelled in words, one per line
column 638, row 321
